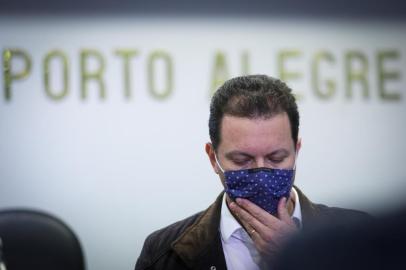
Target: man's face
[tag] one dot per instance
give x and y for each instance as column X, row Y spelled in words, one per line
column 252, row 143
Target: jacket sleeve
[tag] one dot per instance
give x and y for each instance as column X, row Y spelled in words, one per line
column 144, row 260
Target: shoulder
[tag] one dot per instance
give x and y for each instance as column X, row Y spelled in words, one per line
column 164, row 237
column 168, row 247
column 315, row 213
column 341, row 218
column 158, row 243
column 337, row 214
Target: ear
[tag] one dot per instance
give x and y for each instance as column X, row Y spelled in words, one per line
column 298, row 145
column 211, row 154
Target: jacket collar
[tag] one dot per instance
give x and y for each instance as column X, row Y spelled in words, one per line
column 308, row 208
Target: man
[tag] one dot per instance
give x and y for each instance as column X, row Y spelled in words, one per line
column 254, row 127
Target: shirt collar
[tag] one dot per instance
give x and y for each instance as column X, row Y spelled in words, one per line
column 297, row 213
column 229, row 225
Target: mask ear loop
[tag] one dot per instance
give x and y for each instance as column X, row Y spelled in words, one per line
column 294, row 168
column 218, row 163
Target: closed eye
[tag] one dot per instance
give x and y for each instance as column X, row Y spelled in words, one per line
column 276, row 158
column 238, row 158
column 241, row 162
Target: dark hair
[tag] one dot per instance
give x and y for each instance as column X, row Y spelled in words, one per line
column 252, row 96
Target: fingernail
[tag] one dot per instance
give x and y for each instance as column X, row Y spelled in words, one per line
column 239, row 201
column 284, row 201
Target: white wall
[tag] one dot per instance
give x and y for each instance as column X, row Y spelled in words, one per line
column 116, row 169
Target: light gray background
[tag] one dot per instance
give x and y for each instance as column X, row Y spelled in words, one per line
column 117, row 170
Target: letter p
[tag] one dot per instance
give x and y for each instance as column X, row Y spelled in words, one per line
column 9, row 74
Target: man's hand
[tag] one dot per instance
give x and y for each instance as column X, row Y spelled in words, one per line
column 268, row 232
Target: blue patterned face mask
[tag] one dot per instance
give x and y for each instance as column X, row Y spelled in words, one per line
column 262, row 186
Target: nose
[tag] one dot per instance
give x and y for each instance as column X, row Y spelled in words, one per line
column 259, row 163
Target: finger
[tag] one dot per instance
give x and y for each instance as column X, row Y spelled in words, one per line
column 249, row 222
column 283, row 213
column 256, row 237
column 260, row 214
column 262, row 244
column 252, row 232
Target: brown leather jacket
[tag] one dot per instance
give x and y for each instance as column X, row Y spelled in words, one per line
column 195, row 243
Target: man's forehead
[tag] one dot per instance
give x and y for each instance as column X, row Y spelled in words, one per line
column 277, row 120
column 252, row 134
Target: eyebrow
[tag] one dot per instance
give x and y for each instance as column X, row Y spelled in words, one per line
column 236, row 152
column 279, row 151
column 229, row 155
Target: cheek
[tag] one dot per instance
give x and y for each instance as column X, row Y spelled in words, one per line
column 292, row 162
